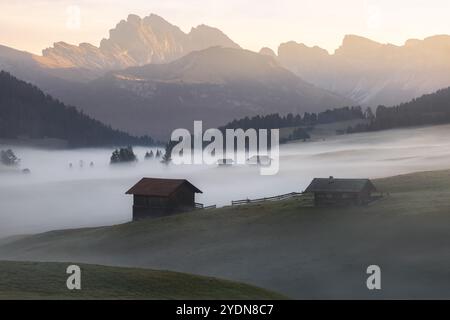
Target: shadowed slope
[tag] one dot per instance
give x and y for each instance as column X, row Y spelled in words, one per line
column 37, row 280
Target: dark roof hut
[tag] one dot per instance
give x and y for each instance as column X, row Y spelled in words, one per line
column 225, row 162
column 332, row 191
column 154, row 197
column 259, row 160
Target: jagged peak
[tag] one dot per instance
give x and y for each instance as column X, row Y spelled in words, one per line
column 267, row 51
column 352, row 39
column 133, row 18
column 301, row 47
column 354, row 44
column 155, row 20
column 62, row 44
column 205, row 28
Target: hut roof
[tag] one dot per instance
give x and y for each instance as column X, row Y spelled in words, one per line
column 339, row 185
column 255, row 158
column 263, row 160
column 159, row 187
column 225, row 161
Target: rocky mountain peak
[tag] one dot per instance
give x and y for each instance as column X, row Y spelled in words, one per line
column 268, row 52
column 357, row 45
column 137, row 41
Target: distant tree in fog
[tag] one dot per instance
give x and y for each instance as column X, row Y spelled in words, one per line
column 123, row 155
column 149, row 155
column 167, row 157
column 8, row 158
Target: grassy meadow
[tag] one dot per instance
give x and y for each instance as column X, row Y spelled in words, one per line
column 288, row 246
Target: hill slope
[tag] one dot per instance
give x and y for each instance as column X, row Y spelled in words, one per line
column 300, row 251
column 37, row 280
column 27, row 111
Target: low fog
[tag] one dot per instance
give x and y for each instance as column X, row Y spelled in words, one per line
column 55, row 196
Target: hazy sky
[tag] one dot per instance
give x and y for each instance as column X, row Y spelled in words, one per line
column 35, row 24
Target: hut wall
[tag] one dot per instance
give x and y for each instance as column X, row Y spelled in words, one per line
column 183, row 198
column 146, row 206
column 335, row 198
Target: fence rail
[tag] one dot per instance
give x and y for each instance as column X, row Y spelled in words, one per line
column 202, row 206
column 199, row 205
column 275, row 198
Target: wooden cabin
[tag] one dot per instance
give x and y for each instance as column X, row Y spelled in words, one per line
column 341, row 192
column 259, row 161
column 225, row 162
column 154, row 197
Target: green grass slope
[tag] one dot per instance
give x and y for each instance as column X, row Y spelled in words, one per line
column 47, row 280
column 287, row 247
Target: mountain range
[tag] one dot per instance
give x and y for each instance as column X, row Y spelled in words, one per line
column 149, row 77
column 214, row 85
column 372, row 73
column 135, row 42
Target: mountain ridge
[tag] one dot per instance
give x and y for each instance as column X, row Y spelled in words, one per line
column 214, row 85
column 370, row 72
column 136, row 41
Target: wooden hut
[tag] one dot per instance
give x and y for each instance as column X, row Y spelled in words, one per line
column 225, row 162
column 154, row 197
column 338, row 192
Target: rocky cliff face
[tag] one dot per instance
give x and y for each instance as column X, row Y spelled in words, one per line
column 134, row 42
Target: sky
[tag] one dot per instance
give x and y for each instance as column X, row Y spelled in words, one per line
column 33, row 25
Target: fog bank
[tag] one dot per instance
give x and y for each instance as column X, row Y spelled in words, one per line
column 55, row 196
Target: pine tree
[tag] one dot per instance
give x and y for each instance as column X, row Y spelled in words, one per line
column 123, row 155
column 149, row 155
column 167, row 158
column 8, row 158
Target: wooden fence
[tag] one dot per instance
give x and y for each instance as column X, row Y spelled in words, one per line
column 275, row 198
column 201, row 206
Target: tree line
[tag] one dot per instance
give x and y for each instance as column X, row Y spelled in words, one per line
column 276, row 121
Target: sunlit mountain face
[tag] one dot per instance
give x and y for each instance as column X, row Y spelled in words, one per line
column 364, row 71
column 137, row 41
column 372, row 73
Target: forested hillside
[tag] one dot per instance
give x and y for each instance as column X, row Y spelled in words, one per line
column 25, row 111
column 428, row 109
column 275, row 120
